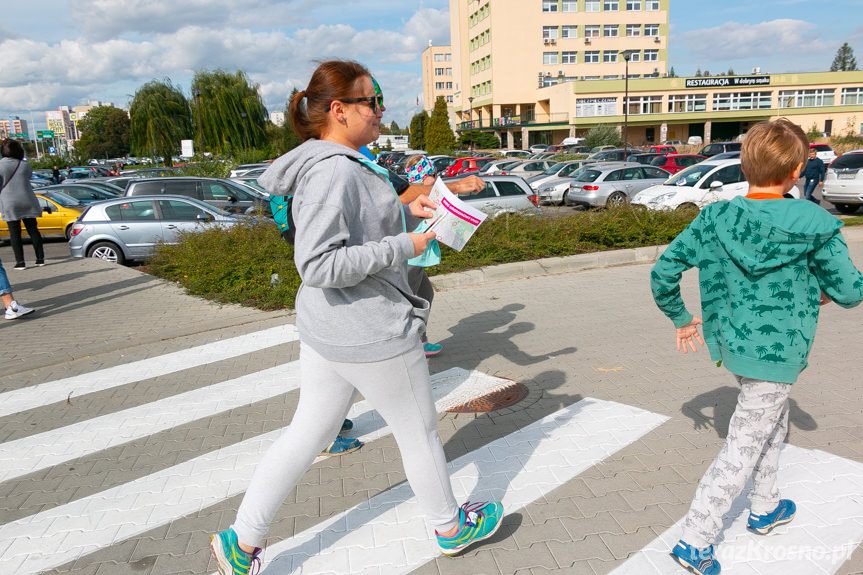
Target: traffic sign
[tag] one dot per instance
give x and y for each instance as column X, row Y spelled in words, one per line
column 45, row 134
column 24, row 135
column 51, row 149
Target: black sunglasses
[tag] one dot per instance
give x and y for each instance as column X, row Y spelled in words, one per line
column 374, row 102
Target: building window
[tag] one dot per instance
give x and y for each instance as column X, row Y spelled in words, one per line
column 633, row 5
column 569, row 32
column 687, row 103
column 651, row 29
column 651, row 5
column 569, row 58
column 449, row 99
column 610, row 31
column 645, row 105
column 591, row 31
column 438, row 57
column 549, row 32
column 591, row 57
column 449, row 85
column 609, row 56
column 741, row 101
column 569, row 5
column 651, row 55
column 805, row 98
column 633, row 30
column 448, row 72
column 549, row 58
column 591, row 5
column 438, row 86
column 611, row 5
column 634, row 56
column 438, row 71
column 448, row 58
column 549, row 5
column 852, row 96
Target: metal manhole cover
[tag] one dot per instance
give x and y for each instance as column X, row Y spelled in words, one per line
column 505, row 397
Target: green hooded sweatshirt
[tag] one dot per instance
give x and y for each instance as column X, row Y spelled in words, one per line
column 762, row 265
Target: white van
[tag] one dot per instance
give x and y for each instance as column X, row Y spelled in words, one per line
column 694, row 141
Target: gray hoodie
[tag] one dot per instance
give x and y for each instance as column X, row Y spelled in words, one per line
column 351, row 249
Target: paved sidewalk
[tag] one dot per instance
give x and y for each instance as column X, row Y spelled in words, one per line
column 578, row 334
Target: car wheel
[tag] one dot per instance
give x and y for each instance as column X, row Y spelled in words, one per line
column 107, row 251
column 616, row 199
column 68, row 231
column 847, row 208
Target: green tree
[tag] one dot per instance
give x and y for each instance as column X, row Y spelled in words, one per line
column 233, row 115
column 698, row 72
column 602, row 135
column 813, row 132
column 671, row 73
column 730, row 72
column 418, row 126
column 844, row 60
column 394, row 129
column 104, row 133
column 479, row 140
column 284, row 138
column 159, row 118
column 438, row 136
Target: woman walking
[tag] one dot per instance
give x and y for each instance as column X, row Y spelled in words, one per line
column 360, row 325
column 18, row 203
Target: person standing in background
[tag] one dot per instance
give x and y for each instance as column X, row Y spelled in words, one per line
column 18, row 203
column 814, row 173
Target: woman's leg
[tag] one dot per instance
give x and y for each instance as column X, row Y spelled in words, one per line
column 15, row 240
column 36, row 238
column 324, row 399
column 399, row 390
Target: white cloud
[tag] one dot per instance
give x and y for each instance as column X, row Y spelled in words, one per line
column 733, row 41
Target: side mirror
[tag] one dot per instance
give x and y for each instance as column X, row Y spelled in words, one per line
column 232, row 200
column 47, row 209
column 716, row 185
column 204, row 217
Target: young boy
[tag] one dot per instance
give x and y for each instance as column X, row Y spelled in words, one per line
column 765, row 265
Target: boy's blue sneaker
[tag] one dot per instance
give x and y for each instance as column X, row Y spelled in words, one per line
column 431, row 349
column 764, row 524
column 342, row 446
column 476, row 522
column 347, row 426
column 230, row 558
column 699, row 561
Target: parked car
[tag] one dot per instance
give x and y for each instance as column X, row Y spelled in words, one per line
column 673, row 143
column 644, row 157
column 537, row 148
column 661, row 149
column 243, row 169
column 555, row 171
column 496, row 166
column 602, row 149
column 528, row 168
column 699, row 185
column 843, row 184
column 553, row 191
column 719, row 147
column 467, row 165
column 504, row 194
column 611, row 184
column 515, row 153
column 59, row 212
column 673, row 163
column 104, row 184
column 125, row 229
column 440, row 163
column 610, row 155
column 823, row 152
column 726, row 155
column 84, row 193
column 542, row 156
column 223, row 194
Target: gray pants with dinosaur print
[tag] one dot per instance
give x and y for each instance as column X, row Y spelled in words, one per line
column 756, row 431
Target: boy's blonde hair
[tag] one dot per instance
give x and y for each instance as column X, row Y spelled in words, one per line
column 412, row 161
column 772, row 151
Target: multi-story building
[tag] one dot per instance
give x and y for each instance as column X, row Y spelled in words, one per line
column 437, row 67
column 13, row 126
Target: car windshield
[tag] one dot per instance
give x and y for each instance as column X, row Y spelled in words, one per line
column 553, row 169
column 658, row 161
column 63, row 199
column 587, row 176
column 821, row 147
column 848, row 162
column 690, row 176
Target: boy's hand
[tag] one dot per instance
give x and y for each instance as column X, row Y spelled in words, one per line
column 825, row 299
column 688, row 334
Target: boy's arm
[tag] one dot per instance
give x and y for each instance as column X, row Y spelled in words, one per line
column 836, row 274
column 665, row 276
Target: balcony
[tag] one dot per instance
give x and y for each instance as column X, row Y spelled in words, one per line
column 527, row 119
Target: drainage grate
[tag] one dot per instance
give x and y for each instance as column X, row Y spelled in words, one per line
column 509, row 395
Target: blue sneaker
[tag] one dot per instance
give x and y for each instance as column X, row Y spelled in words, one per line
column 764, row 524
column 342, row 445
column 476, row 522
column 230, row 558
column 431, row 349
column 698, row 561
column 347, row 426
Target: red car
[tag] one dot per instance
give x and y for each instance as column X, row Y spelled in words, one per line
column 666, row 149
column 465, row 166
column 673, row 163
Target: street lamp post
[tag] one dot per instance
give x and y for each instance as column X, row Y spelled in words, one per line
column 627, row 54
column 470, row 146
column 197, row 94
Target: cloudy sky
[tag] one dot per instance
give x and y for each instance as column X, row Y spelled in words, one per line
column 64, row 52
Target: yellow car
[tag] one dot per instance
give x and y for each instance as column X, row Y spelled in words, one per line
column 59, row 213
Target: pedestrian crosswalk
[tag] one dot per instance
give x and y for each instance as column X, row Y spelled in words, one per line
column 385, row 533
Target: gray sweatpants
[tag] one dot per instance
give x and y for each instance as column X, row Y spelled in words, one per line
column 420, row 284
column 399, row 390
column 756, row 431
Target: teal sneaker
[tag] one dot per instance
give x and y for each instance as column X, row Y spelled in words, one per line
column 230, row 558
column 698, row 561
column 342, row 445
column 432, row 349
column 764, row 524
column 476, row 522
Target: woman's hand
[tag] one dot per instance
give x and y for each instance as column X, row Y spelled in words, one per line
column 417, row 207
column 421, row 241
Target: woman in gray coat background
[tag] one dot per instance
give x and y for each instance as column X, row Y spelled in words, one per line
column 18, row 203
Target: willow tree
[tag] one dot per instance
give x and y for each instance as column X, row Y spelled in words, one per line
column 159, row 119
column 231, row 111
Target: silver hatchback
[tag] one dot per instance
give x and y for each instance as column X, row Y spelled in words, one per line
column 612, row 184
column 124, row 229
